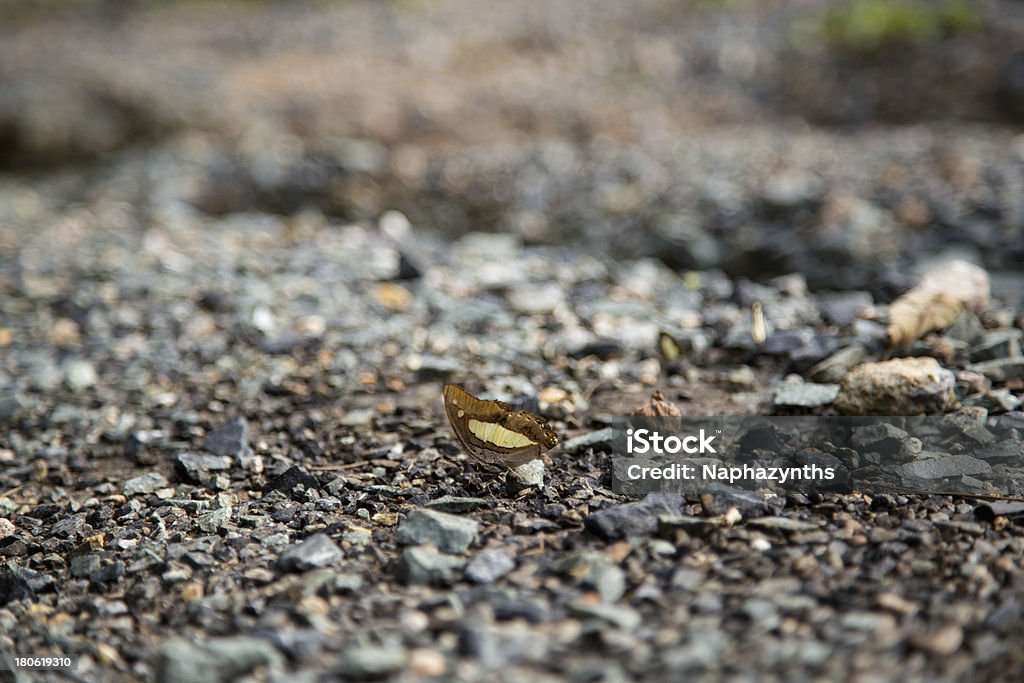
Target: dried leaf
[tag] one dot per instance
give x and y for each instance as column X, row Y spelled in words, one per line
column 658, row 413
column 943, row 294
column 658, row 406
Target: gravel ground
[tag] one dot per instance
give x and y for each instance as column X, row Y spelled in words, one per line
column 229, row 302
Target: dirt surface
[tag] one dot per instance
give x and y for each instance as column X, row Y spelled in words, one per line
column 243, row 247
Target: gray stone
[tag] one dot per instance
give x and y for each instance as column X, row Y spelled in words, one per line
column 944, row 466
column 10, row 405
column 536, row 299
column 448, row 533
column 14, row 584
column 431, row 368
column 842, row 308
column 319, row 550
column 199, row 467
column 903, row 386
column 529, row 474
column 600, row 439
column 369, row 662
column 146, row 483
column 804, row 394
column 1011, row 420
column 1001, row 370
column 214, row 520
column 423, row 564
column 1009, row 450
column 619, row 616
column 79, row 374
column 457, row 504
column 997, row 344
column 595, row 571
column 883, row 438
column 358, row 417
column 791, row 189
column 633, row 519
column 232, row 440
column 669, row 526
column 996, row 401
column 489, row 566
column 215, row 661
column 85, row 565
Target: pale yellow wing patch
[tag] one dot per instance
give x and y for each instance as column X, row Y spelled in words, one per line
column 489, row 432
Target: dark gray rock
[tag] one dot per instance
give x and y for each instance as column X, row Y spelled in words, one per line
column 448, row 533
column 457, row 504
column 198, row 467
column 289, row 479
column 13, row 585
column 764, row 437
column 319, row 550
column 232, row 439
column 883, row 438
column 818, row 458
column 842, row 308
column 633, row 519
column 1011, row 420
column 1008, row 450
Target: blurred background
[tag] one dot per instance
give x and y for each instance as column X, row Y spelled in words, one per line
column 842, row 139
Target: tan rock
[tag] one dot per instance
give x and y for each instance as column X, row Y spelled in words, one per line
column 902, row 386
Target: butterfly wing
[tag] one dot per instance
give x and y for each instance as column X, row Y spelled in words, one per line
column 494, row 433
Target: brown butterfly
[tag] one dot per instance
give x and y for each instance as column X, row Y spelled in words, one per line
column 495, row 433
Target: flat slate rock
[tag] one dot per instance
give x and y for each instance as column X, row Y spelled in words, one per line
column 804, row 394
column 944, row 467
column 424, row 565
column 457, row 504
column 317, row 551
column 448, row 533
column 633, row 519
column 145, row 483
column 213, row 661
column 231, row 439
